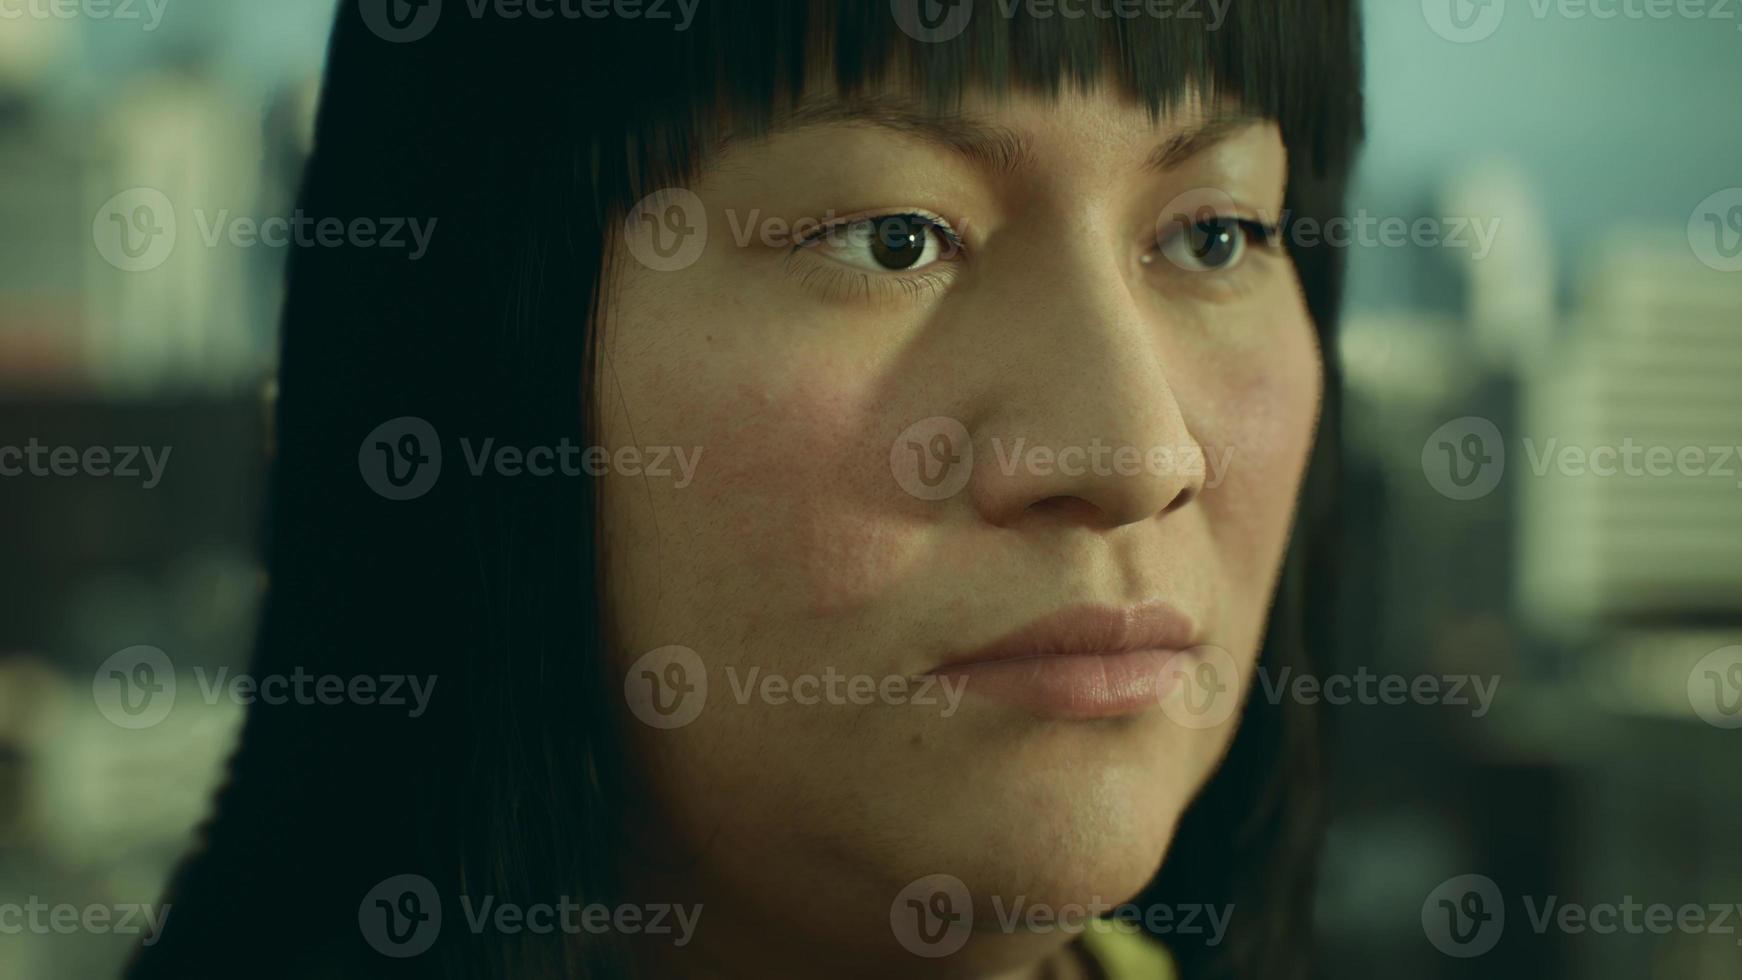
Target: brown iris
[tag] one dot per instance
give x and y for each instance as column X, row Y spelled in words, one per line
column 898, row 240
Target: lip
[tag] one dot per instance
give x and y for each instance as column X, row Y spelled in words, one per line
column 1082, row 662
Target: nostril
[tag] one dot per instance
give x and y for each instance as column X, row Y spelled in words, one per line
column 1065, row 506
column 1185, row 496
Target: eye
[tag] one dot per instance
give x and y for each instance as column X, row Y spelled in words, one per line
column 886, row 243
column 1210, row 243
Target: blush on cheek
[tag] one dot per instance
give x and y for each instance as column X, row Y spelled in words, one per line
column 850, row 560
column 1268, row 423
column 1268, row 411
column 802, row 488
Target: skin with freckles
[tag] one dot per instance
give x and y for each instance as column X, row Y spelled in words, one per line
column 1061, row 319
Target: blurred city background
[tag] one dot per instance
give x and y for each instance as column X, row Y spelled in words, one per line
column 1483, row 538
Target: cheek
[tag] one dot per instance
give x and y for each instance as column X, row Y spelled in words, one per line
column 801, row 493
column 1265, row 417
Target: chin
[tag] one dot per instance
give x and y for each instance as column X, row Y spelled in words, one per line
column 1073, row 821
column 1033, row 894
column 1083, row 836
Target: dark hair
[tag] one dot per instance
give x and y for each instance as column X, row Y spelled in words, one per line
column 526, row 140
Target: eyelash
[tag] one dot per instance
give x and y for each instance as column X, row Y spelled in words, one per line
column 1261, row 241
column 834, row 280
column 838, row 282
column 1263, row 235
column 1259, row 235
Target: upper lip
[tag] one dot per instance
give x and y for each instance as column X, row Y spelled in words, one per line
column 1088, row 629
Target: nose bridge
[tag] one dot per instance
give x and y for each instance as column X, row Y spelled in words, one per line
column 1081, row 423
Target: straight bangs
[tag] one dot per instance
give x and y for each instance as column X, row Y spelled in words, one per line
column 743, row 64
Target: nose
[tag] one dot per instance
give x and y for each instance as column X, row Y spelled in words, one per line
column 1080, row 425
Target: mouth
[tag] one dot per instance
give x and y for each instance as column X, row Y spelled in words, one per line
column 1083, row 662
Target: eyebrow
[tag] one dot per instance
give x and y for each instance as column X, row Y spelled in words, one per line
column 1193, row 140
column 998, row 149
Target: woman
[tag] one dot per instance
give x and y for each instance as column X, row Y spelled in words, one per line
column 835, row 470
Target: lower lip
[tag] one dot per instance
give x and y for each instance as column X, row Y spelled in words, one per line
column 1075, row 687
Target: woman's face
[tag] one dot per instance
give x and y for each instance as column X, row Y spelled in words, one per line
column 1066, row 444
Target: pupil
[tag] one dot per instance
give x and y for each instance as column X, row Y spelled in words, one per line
column 899, row 241
column 1212, row 242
